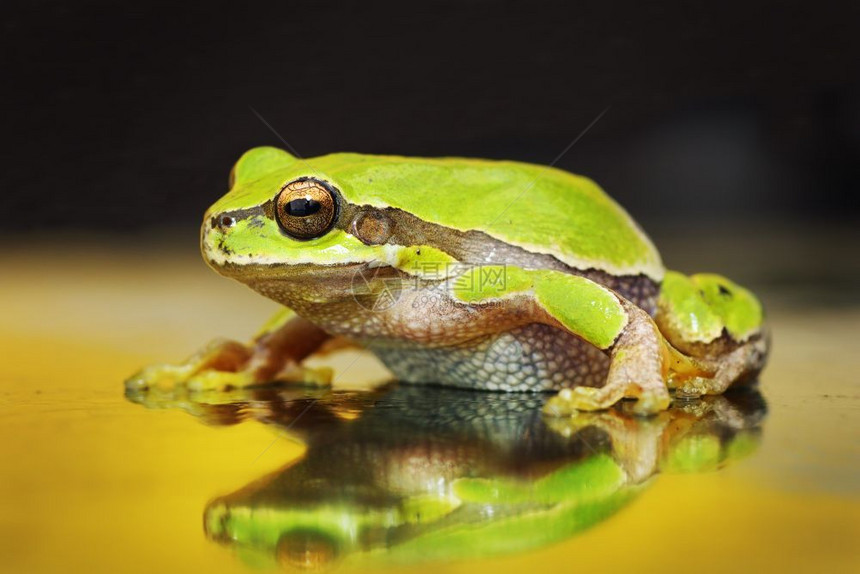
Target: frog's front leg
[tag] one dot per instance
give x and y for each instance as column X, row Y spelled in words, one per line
column 275, row 354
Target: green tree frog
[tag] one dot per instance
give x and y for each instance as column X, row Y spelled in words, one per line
column 495, row 275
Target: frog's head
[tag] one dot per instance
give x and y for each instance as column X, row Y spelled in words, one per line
column 288, row 228
column 298, row 230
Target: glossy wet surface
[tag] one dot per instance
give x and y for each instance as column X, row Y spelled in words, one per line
column 395, row 477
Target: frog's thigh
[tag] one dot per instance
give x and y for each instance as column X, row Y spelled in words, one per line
column 274, row 355
column 636, row 370
column 609, row 322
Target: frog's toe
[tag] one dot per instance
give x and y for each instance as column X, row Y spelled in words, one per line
column 213, row 380
column 691, row 388
column 156, row 376
column 586, row 399
column 652, row 401
column 570, row 401
column 136, row 382
column 312, row 376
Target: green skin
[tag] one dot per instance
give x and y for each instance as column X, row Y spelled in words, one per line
column 572, row 245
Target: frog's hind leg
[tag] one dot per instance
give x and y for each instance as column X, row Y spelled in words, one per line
column 718, row 322
column 275, row 354
column 639, row 357
column 640, row 361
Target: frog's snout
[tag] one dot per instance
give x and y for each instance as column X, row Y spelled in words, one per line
column 218, row 222
column 223, row 222
column 213, row 238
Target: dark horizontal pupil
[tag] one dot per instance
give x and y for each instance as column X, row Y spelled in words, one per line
column 302, row 207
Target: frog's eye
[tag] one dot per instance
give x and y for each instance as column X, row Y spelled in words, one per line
column 306, row 208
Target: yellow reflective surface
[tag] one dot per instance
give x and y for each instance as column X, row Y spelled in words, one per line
column 92, row 482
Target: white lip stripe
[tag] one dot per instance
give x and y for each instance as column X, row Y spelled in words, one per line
column 390, row 256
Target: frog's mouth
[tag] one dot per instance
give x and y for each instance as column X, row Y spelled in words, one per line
column 303, row 284
column 309, row 273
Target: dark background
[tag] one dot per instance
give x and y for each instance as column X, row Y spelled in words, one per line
column 130, row 117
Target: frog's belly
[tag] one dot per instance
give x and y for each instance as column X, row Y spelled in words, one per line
column 531, row 358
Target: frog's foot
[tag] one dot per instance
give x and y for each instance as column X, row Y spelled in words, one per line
column 570, row 401
column 213, row 380
column 273, row 357
column 638, row 363
column 651, row 398
column 736, row 367
column 225, row 365
column 219, row 356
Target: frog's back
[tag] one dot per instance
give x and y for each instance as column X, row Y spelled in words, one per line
column 541, row 209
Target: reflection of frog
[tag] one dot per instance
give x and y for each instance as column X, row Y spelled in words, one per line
column 408, row 474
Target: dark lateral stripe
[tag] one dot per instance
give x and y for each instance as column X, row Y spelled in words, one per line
column 474, row 248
